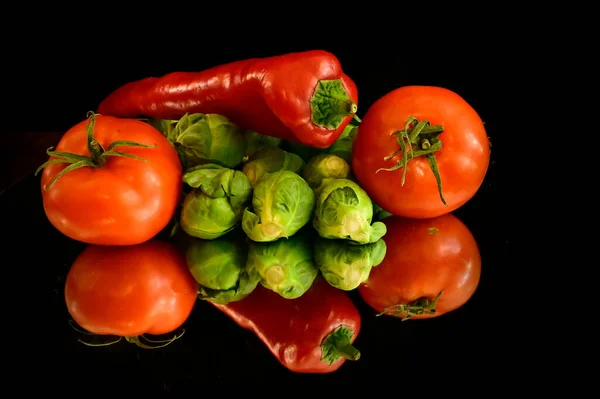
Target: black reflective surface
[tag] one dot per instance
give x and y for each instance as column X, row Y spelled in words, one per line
column 214, row 349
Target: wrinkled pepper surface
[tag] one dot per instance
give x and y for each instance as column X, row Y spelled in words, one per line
column 303, row 97
column 311, row 334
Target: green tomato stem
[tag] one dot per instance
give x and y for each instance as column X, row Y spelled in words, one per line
column 96, row 159
column 419, row 140
column 415, row 308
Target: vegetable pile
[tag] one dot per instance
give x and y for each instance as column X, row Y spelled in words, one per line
column 254, row 186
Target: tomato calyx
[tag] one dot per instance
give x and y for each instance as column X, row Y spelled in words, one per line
column 141, row 341
column 337, row 344
column 418, row 138
column 98, row 154
column 415, row 308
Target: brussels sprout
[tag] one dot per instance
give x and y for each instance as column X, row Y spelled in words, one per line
column 325, row 166
column 344, row 211
column 282, row 204
column 343, row 145
column 286, row 266
column 270, row 160
column 303, row 151
column 379, row 213
column 217, row 181
column 205, row 138
column 256, row 141
column 214, row 207
column 219, row 266
column 345, row 265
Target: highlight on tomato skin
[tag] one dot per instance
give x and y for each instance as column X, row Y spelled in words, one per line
column 131, row 291
column 432, row 267
column 421, row 152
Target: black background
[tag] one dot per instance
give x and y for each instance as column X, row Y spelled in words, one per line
column 54, row 93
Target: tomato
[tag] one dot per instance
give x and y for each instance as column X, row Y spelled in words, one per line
column 111, row 199
column 425, row 257
column 453, row 144
column 130, row 290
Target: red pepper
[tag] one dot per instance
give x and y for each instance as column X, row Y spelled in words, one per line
column 302, row 97
column 311, row 334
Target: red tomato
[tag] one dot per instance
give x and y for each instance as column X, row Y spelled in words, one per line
column 113, row 200
column 424, row 257
column 462, row 160
column 130, row 290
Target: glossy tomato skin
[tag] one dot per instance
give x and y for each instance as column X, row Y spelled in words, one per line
column 424, row 257
column 463, row 159
column 124, row 202
column 130, row 290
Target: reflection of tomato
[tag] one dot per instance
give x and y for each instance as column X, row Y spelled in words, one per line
column 112, row 199
column 461, row 151
column 424, row 257
column 130, row 290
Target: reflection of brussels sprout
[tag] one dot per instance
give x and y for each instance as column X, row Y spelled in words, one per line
column 345, row 265
column 214, row 207
column 286, row 266
column 325, row 166
column 343, row 145
column 219, row 266
column 205, row 138
column 270, row 160
column 282, row 204
column 256, row 141
column 344, row 210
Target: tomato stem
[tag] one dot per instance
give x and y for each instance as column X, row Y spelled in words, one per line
column 152, row 344
column 141, row 341
column 418, row 138
column 415, row 308
column 96, row 159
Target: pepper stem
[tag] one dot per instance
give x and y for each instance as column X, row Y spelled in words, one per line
column 98, row 154
column 415, row 308
column 418, row 138
column 330, row 104
column 337, row 345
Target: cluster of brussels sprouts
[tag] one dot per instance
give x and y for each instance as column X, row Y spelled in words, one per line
column 260, row 210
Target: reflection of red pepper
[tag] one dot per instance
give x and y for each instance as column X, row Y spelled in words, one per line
column 304, row 97
column 310, row 334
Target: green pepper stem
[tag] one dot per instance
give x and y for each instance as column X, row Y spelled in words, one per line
column 98, row 154
column 418, row 138
column 337, row 345
column 348, row 351
column 330, row 104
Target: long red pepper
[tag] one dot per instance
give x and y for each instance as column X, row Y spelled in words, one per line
column 303, row 97
column 310, row 334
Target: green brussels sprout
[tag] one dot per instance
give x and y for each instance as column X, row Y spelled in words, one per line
column 343, row 145
column 345, row 265
column 286, row 266
column 205, row 138
column 219, row 267
column 379, row 213
column 344, row 211
column 255, row 141
column 214, row 207
column 302, row 150
column 325, row 166
column 270, row 160
column 282, row 204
